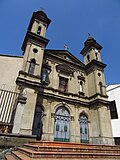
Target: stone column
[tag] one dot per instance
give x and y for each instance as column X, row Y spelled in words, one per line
column 106, row 136
column 29, row 110
column 18, row 114
column 77, row 125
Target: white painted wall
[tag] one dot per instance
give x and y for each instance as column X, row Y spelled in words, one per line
column 113, row 91
column 9, row 68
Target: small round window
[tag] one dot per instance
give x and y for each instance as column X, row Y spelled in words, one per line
column 35, row 50
column 99, row 74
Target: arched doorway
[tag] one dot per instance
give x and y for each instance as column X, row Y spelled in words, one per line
column 62, row 125
column 84, row 130
column 37, row 123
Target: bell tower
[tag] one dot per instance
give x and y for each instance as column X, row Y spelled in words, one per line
column 28, row 80
column 91, row 50
column 94, row 67
column 35, row 43
column 98, row 100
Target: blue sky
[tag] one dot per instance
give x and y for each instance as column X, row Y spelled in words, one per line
column 72, row 20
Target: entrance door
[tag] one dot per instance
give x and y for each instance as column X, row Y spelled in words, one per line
column 84, row 136
column 37, row 123
column 62, row 125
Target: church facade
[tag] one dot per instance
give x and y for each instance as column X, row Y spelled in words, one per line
column 57, row 97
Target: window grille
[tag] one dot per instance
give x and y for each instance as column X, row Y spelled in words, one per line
column 84, row 131
column 62, row 125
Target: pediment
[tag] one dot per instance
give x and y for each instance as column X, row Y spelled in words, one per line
column 65, row 55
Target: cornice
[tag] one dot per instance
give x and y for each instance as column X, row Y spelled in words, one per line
column 64, row 96
column 66, row 99
column 27, row 74
column 98, row 101
column 74, row 101
column 34, row 38
column 97, row 94
column 27, row 83
column 80, row 95
column 95, row 64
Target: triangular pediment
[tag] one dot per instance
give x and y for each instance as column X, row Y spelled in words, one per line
column 65, row 55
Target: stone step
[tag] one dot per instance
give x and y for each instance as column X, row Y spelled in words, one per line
column 9, row 157
column 44, row 150
column 16, row 155
column 71, row 149
column 20, row 156
column 57, row 154
column 71, row 144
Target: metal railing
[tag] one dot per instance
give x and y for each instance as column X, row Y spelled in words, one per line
column 7, row 101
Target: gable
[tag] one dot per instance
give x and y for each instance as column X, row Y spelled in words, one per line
column 65, row 55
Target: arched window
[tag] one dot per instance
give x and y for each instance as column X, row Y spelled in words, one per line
column 45, row 77
column 88, row 58
column 39, row 30
column 32, row 66
column 62, row 125
column 101, row 90
column 84, row 131
column 81, row 86
column 96, row 54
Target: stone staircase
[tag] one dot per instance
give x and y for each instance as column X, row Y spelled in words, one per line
column 47, row 150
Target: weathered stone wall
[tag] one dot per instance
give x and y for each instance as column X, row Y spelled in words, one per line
column 10, row 140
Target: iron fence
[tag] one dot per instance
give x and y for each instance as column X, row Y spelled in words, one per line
column 7, row 101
